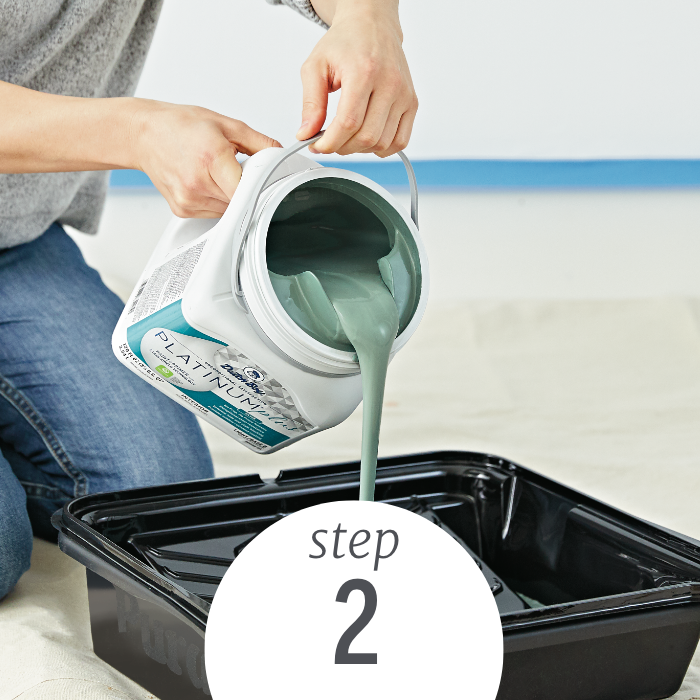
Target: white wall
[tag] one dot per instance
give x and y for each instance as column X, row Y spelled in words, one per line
column 496, row 78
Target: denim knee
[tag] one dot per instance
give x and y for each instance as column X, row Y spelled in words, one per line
column 15, row 538
column 15, row 562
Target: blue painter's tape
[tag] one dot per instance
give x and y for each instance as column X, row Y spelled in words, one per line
column 129, row 178
column 511, row 174
column 506, row 174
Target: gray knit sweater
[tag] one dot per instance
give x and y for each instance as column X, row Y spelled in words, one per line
column 84, row 48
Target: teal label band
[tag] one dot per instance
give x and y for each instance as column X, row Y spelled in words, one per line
column 168, row 317
column 254, row 419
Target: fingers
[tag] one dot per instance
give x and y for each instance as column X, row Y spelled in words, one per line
column 226, row 171
column 371, row 120
column 245, row 139
column 379, row 111
column 314, row 78
column 191, row 157
column 349, row 118
column 213, row 210
column 401, row 137
column 199, row 197
column 207, row 193
column 194, row 205
column 390, row 128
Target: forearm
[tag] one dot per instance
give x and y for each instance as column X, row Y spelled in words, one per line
column 331, row 10
column 40, row 132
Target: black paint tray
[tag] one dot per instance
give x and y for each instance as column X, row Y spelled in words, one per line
column 595, row 604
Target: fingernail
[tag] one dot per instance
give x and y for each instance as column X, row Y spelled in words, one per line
column 302, row 127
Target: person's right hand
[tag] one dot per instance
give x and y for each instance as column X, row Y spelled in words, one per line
column 190, row 155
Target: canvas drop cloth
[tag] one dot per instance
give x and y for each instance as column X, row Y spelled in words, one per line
column 603, row 396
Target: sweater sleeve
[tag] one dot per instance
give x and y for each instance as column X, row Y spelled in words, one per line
column 304, row 7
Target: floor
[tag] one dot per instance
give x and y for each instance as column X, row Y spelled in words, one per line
column 563, row 333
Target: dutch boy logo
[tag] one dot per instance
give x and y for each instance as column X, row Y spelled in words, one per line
column 255, row 374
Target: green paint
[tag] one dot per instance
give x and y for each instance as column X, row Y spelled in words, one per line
column 345, row 268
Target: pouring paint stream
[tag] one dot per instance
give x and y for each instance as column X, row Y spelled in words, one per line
column 368, row 315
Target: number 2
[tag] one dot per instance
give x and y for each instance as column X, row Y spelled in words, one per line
column 342, row 651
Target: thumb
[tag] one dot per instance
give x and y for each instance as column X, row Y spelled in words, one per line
column 226, row 171
column 245, row 139
column 315, row 101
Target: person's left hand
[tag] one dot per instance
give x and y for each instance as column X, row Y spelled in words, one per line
column 362, row 54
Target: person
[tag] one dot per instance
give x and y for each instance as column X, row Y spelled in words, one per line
column 73, row 420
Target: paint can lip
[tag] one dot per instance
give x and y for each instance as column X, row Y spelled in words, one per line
column 278, row 329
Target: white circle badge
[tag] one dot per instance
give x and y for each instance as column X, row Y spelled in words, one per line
column 354, row 601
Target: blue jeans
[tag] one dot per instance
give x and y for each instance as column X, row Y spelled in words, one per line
column 73, row 420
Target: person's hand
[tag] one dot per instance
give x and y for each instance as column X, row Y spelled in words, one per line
column 190, row 155
column 362, row 54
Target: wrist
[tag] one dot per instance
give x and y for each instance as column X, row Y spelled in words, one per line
column 135, row 122
column 334, row 11
column 108, row 130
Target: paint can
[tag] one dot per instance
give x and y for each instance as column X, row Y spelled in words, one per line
column 205, row 326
